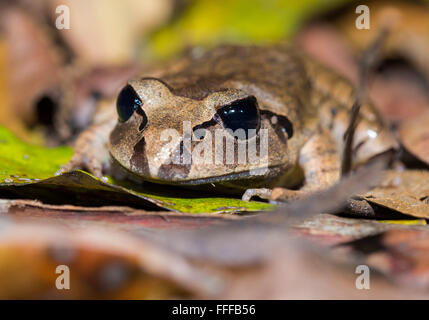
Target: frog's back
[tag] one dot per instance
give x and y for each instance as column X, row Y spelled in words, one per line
column 276, row 75
column 284, row 80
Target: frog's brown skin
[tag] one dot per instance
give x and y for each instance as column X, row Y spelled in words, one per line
column 287, row 87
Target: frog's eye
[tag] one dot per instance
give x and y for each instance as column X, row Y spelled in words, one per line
column 128, row 102
column 281, row 124
column 240, row 114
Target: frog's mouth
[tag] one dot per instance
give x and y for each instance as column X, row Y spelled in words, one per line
column 227, row 183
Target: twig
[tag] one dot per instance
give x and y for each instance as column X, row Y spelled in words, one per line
column 367, row 62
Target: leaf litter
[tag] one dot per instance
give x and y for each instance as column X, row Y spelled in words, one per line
column 121, row 233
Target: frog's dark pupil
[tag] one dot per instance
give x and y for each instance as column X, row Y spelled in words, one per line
column 240, row 114
column 128, row 101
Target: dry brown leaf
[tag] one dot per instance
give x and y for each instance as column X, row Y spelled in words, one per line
column 332, row 230
column 404, row 192
column 116, row 217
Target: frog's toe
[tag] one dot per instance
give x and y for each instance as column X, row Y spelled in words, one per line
column 263, row 193
column 95, row 167
column 83, row 162
column 273, row 195
column 75, row 163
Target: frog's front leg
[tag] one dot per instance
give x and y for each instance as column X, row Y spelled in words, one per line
column 320, row 159
column 90, row 150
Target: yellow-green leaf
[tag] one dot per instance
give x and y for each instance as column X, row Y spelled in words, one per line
column 27, row 171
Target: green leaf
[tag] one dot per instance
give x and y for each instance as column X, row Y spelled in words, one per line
column 28, row 171
column 23, row 163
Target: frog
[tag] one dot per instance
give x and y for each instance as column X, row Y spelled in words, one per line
column 270, row 98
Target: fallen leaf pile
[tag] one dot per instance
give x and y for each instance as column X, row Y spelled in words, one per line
column 122, row 240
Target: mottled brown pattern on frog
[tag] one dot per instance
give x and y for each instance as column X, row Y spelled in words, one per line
column 176, row 168
column 284, row 83
column 139, row 159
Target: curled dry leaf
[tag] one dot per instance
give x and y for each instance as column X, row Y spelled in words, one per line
column 118, row 218
column 332, row 230
column 405, row 192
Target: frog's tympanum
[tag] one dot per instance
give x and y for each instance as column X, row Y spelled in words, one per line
column 235, row 118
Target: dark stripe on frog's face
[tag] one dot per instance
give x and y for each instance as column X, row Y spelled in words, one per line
column 139, row 159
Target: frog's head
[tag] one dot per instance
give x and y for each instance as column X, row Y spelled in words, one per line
column 165, row 137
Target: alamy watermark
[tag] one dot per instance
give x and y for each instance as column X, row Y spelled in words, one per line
column 252, row 147
column 363, row 280
column 363, row 20
column 63, row 19
column 63, row 280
